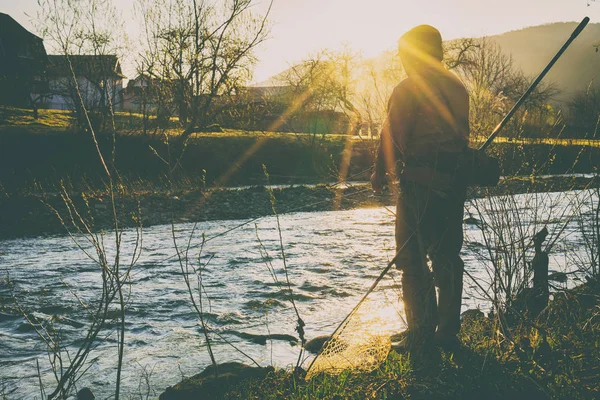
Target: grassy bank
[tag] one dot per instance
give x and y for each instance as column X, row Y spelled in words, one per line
column 554, row 356
column 29, row 159
column 39, row 155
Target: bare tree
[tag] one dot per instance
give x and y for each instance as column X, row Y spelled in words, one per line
column 88, row 37
column 322, row 88
column 310, row 92
column 460, row 52
column 345, row 63
column 204, row 49
column 494, row 84
column 378, row 77
column 90, row 27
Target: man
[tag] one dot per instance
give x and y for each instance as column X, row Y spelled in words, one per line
column 426, row 130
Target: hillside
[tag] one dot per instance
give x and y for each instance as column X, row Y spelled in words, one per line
column 533, row 47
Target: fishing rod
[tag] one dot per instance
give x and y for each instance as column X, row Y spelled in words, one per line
column 541, row 76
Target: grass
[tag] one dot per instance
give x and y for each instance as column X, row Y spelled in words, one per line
column 546, row 141
column 553, row 357
column 469, row 375
column 48, row 152
column 58, row 121
column 53, row 121
column 48, row 120
column 61, row 120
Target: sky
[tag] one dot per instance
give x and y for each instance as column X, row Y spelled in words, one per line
column 302, row 27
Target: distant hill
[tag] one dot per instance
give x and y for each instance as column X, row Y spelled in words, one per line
column 532, row 48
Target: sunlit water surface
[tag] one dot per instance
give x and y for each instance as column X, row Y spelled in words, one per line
column 332, row 258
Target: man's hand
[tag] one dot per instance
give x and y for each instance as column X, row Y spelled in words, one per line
column 377, row 183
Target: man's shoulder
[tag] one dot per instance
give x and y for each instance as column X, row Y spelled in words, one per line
column 404, row 87
column 459, row 85
column 405, row 84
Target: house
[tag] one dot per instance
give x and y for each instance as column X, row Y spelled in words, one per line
column 23, row 62
column 143, row 94
column 257, row 93
column 99, row 81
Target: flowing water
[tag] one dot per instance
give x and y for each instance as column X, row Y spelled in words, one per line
column 332, row 258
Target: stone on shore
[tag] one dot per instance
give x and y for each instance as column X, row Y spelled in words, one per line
column 207, row 385
column 315, row 345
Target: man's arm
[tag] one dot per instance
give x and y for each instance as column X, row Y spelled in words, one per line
column 394, row 133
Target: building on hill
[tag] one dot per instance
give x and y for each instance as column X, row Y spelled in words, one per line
column 99, row 80
column 23, row 61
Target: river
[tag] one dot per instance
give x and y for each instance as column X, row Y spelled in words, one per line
column 332, row 258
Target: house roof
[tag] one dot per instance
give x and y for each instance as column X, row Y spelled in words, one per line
column 90, row 66
column 11, row 28
column 20, row 50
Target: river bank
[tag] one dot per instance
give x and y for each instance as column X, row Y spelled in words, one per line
column 554, row 356
column 36, row 214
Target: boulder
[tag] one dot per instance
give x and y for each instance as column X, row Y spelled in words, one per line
column 85, row 394
column 315, row 345
column 210, row 383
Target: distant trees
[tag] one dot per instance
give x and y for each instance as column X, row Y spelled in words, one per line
column 203, row 49
column 311, row 86
column 378, row 79
column 494, row 84
column 346, row 83
column 490, row 78
column 321, row 89
column 343, row 82
column 584, row 112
